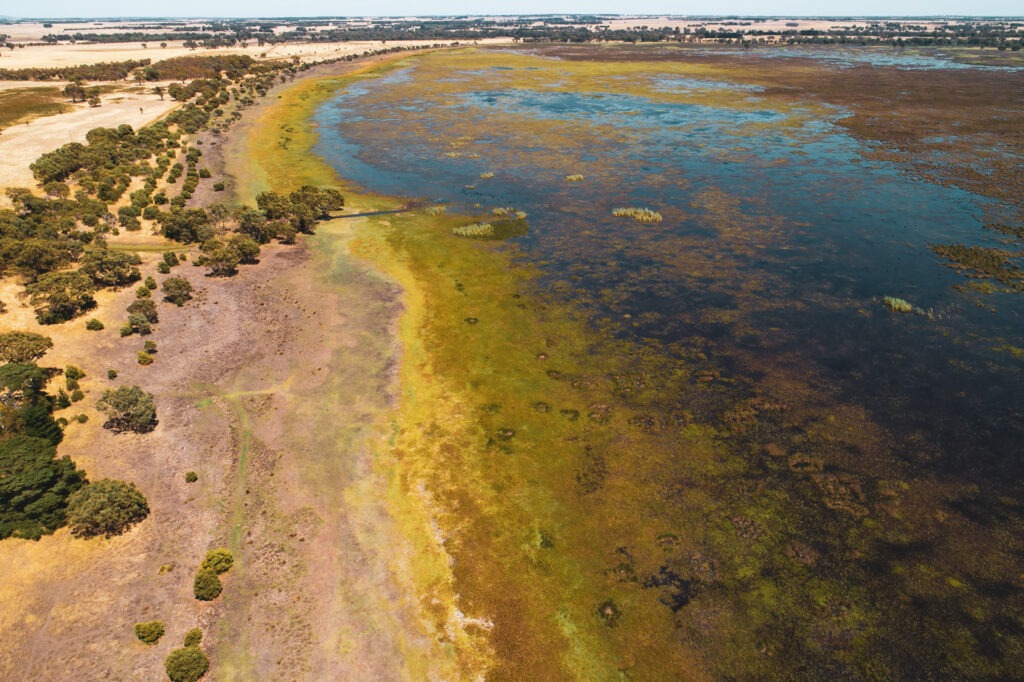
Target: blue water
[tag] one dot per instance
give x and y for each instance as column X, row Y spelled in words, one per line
column 820, row 226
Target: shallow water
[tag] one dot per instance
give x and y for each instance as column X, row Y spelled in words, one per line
column 780, row 236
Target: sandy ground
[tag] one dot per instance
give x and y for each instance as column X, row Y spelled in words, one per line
column 22, row 144
column 41, row 56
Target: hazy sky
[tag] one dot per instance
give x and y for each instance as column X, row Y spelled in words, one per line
column 276, row 8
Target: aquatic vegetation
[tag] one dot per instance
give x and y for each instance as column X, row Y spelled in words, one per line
column 487, row 175
column 575, row 177
column 509, row 212
column 984, row 262
column 641, row 215
column 474, row 230
column 435, row 210
column 897, row 305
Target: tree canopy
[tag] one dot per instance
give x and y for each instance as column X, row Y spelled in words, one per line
column 105, row 507
column 34, row 487
column 128, row 408
column 23, row 347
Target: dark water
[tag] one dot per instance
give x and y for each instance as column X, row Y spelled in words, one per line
column 834, row 232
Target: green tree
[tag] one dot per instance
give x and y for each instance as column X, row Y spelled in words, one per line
column 106, row 507
column 108, row 268
column 187, row 664
column 128, row 408
column 34, row 487
column 60, row 296
column 177, row 290
column 23, row 347
column 222, row 259
column 145, row 307
column 248, row 249
column 186, row 225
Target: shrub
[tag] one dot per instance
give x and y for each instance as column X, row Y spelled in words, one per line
column 150, row 283
column 106, row 507
column 218, row 560
column 149, row 346
column 218, row 187
column 149, row 633
column 128, row 408
column 23, row 347
column 77, row 395
column 139, row 324
column 72, row 373
column 186, row 665
column 191, row 477
column 193, row 637
column 62, row 400
column 94, row 325
column 144, row 358
column 170, row 258
column 81, row 418
column 145, row 307
column 142, row 292
column 163, row 268
column 177, row 290
column 126, row 330
column 204, row 173
column 207, row 585
column 111, row 373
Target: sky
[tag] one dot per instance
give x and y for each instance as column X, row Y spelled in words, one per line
column 276, row 8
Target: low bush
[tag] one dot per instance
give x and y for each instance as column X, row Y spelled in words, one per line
column 94, row 325
column 206, row 585
column 193, row 637
column 186, row 665
column 149, row 633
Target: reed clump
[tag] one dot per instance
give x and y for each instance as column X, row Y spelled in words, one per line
column 476, row 230
column 486, row 175
column 508, row 212
column 641, row 215
column 897, row 305
column 435, row 210
column 575, row 177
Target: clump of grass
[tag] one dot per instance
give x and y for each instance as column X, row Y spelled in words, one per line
column 474, row 230
column 897, row 305
column 575, row 177
column 641, row 215
column 486, row 175
column 452, row 155
column 436, row 210
column 508, row 212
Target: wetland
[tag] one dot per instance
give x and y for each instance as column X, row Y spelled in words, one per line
column 711, row 362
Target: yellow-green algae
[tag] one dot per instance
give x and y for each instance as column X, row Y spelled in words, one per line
column 567, row 519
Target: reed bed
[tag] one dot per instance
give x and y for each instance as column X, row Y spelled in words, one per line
column 475, row 230
column 641, row 215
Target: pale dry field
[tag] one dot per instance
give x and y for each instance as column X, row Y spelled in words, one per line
column 43, row 56
column 22, row 144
